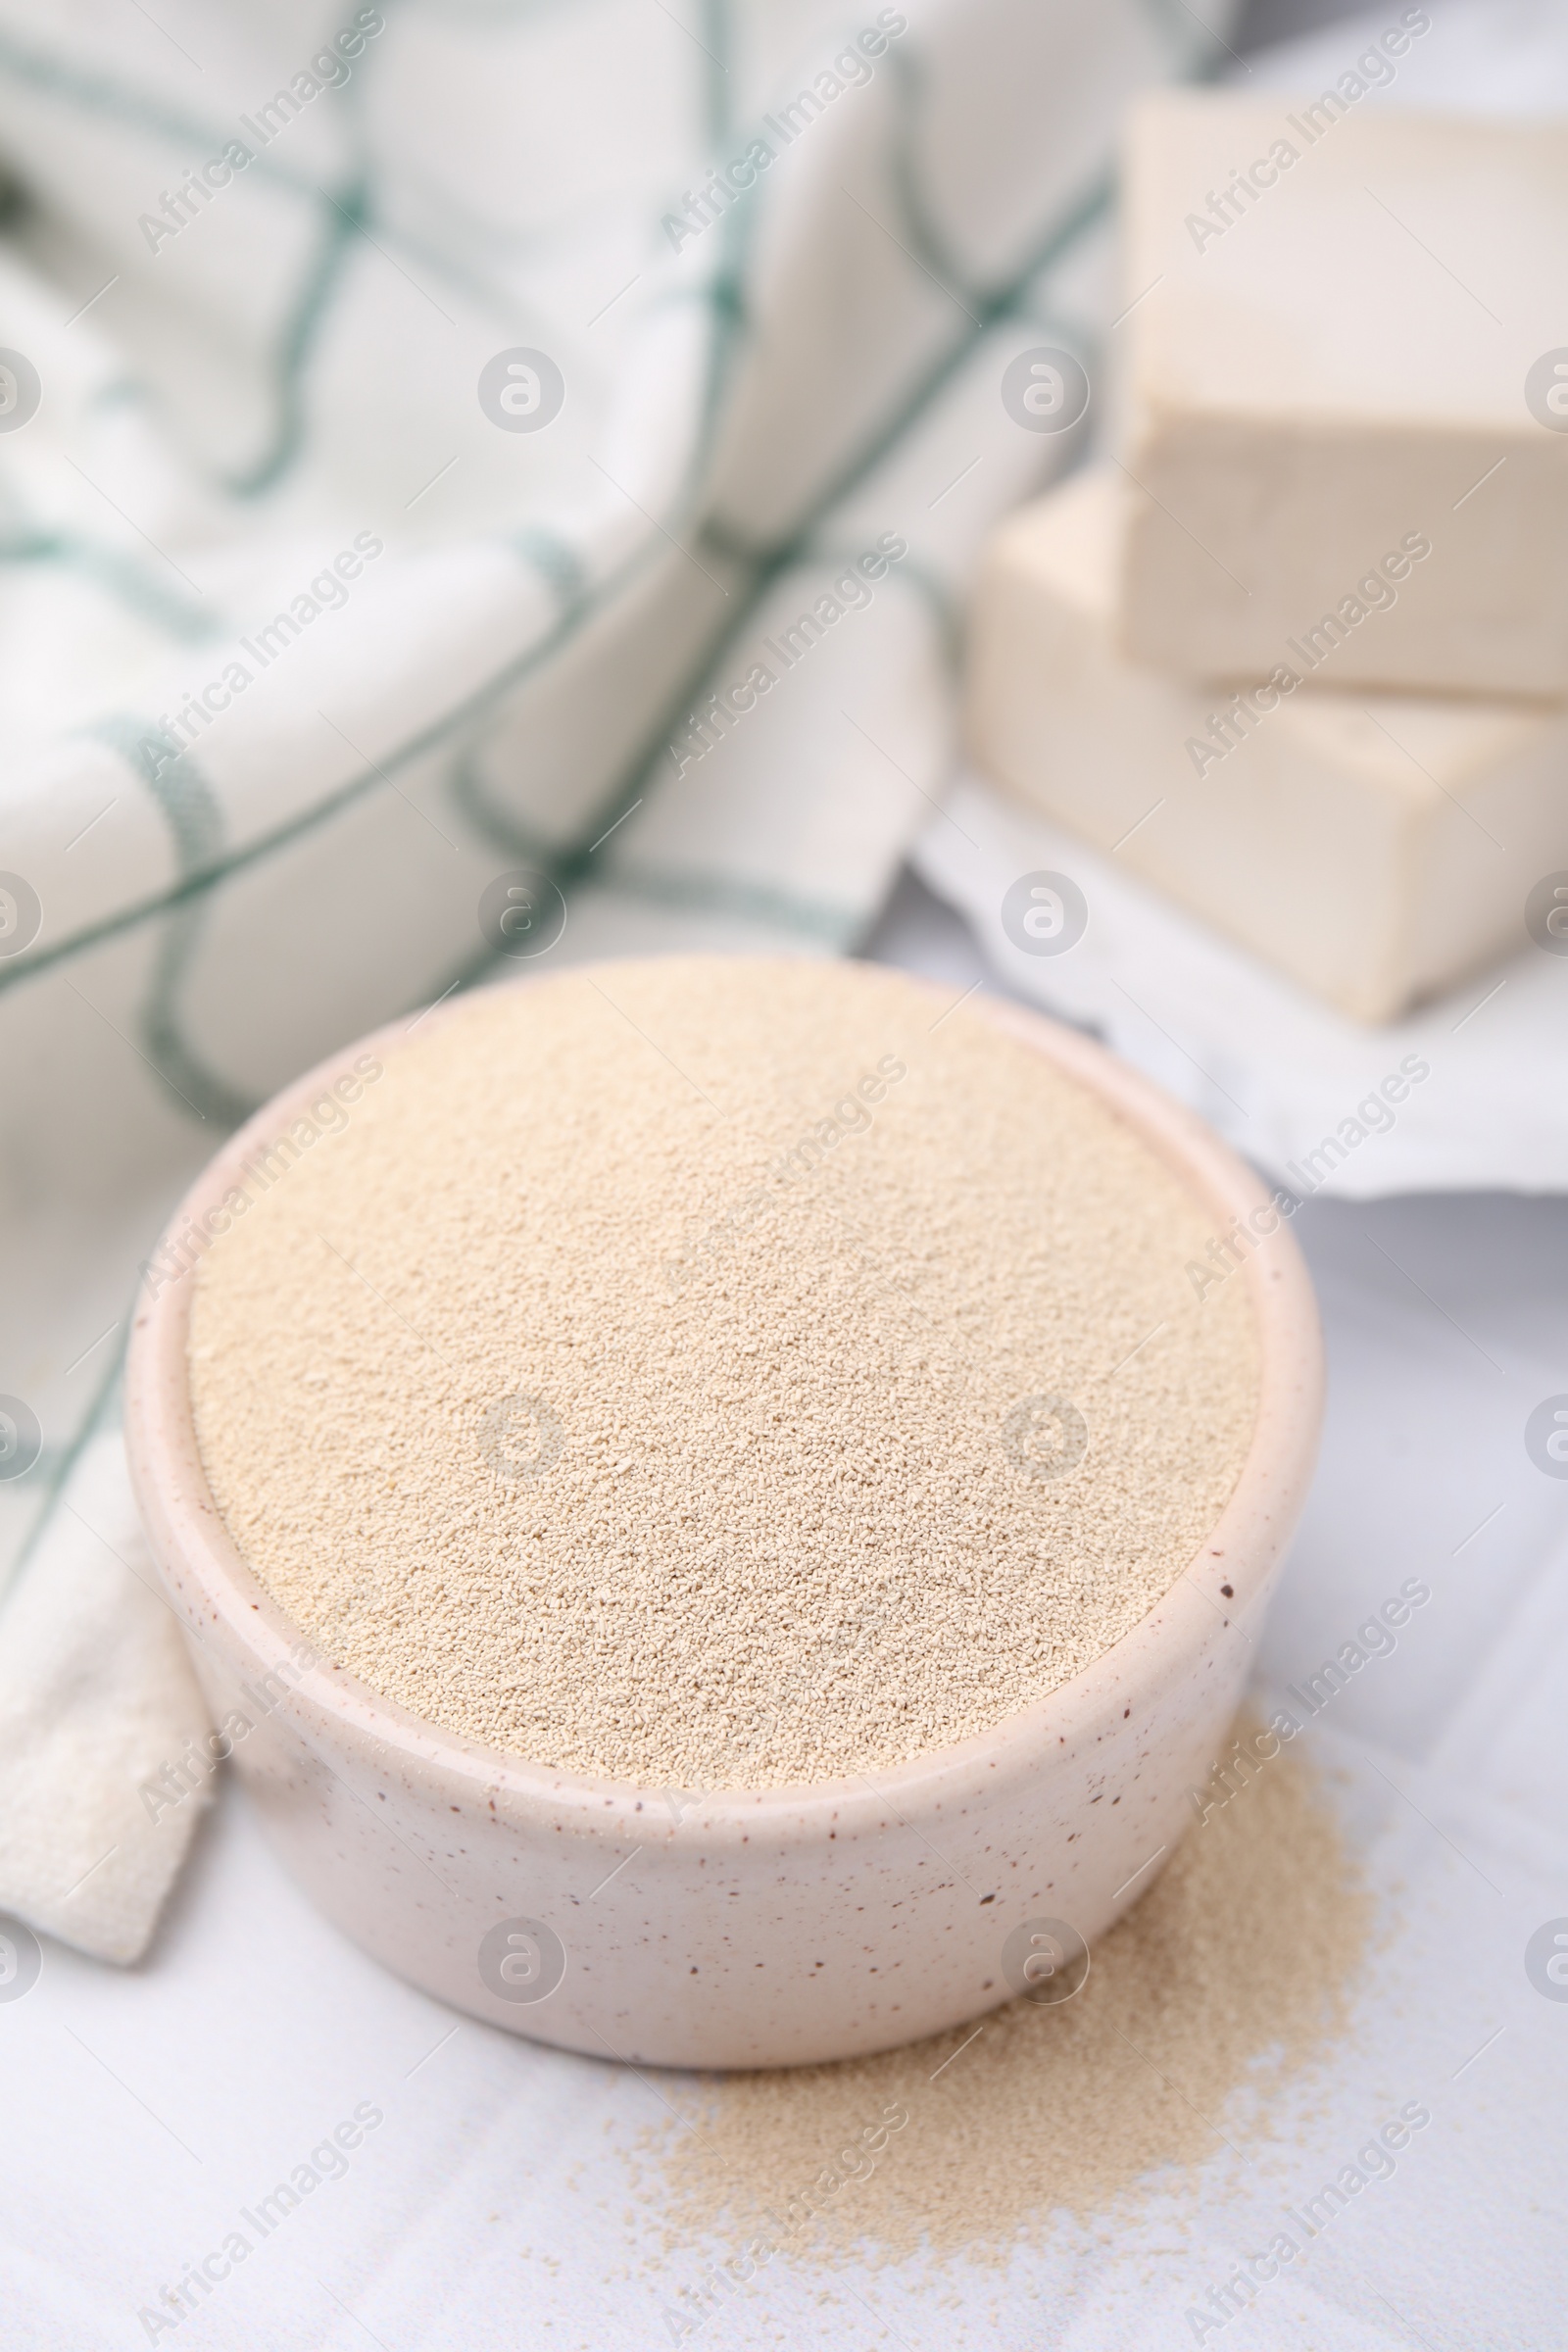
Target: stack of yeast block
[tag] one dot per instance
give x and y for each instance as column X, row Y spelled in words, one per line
column 1298, row 655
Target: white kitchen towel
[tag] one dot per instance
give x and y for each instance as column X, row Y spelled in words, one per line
column 411, row 420
column 103, row 1755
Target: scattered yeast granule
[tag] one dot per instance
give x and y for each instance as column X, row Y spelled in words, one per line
column 718, row 1373
column 1200, row 2005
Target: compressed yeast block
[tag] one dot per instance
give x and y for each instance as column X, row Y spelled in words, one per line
column 1346, row 326
column 1376, row 847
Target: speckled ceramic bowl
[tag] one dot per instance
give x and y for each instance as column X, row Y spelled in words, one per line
column 768, row 1929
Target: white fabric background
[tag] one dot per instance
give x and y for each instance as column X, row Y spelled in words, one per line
column 143, row 2106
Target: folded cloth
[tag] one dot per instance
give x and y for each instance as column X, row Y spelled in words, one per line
column 104, row 1757
column 435, row 445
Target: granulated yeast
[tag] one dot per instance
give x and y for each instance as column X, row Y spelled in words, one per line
column 1228, row 1977
column 719, row 1374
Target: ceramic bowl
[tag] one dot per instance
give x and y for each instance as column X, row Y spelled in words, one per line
column 742, row 1929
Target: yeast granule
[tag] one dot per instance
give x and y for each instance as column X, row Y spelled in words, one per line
column 1205, row 2010
column 715, row 1373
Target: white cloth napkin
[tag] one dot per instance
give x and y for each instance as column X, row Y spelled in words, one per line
column 103, row 1761
column 319, row 614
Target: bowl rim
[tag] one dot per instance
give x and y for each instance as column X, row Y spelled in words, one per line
column 210, row 1580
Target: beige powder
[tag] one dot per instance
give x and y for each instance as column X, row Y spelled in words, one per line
column 1222, row 1984
column 718, row 1373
